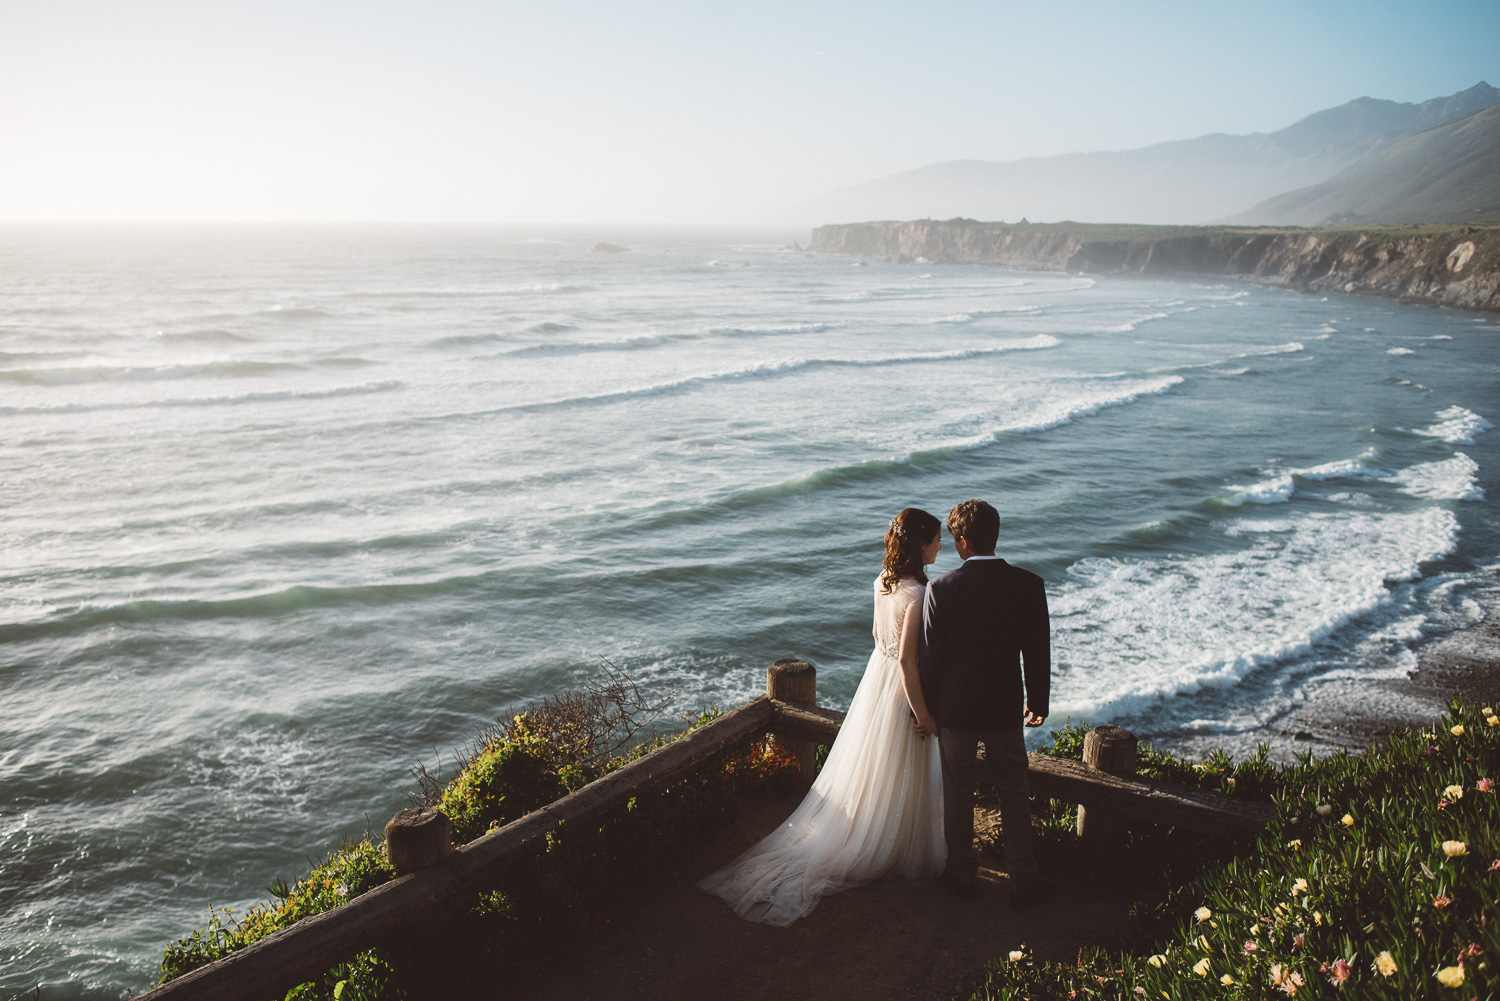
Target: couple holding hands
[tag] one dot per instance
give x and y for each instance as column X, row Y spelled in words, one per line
column 962, row 660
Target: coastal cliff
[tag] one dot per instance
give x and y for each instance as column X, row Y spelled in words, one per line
column 1441, row 265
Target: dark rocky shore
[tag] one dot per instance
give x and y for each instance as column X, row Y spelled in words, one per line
column 1456, row 266
column 1353, row 712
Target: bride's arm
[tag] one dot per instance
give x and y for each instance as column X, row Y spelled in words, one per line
column 911, row 681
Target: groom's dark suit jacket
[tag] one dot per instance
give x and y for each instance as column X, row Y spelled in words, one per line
column 980, row 623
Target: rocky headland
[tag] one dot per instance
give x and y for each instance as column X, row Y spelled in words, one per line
column 1456, row 266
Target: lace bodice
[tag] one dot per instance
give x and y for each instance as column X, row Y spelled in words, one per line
column 891, row 611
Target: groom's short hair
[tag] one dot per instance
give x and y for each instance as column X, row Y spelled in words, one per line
column 976, row 523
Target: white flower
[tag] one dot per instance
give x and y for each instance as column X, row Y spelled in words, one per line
column 1016, row 955
column 1203, row 914
column 1453, row 849
column 1201, row 967
column 1451, row 976
column 1384, row 964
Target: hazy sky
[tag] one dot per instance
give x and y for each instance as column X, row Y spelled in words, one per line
column 450, row 110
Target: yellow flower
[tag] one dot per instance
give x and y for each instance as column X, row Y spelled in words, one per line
column 1488, row 712
column 1226, row 980
column 1453, row 849
column 1495, row 721
column 1299, row 887
column 1203, row 914
column 1457, row 731
column 1159, row 960
column 1255, row 929
column 1016, row 955
column 1295, row 844
column 1202, row 942
column 1202, row 969
column 1318, row 917
column 1347, row 820
column 1451, row 976
column 1384, row 964
column 1453, row 792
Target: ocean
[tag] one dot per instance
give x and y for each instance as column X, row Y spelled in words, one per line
column 288, row 510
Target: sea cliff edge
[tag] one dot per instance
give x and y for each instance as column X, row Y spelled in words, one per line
column 1445, row 265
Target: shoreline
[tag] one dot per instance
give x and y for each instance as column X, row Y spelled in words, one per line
column 1352, row 713
column 1455, row 265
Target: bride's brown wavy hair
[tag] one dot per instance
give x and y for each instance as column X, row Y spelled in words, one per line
column 910, row 531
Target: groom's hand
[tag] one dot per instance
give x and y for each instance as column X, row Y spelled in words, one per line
column 1032, row 719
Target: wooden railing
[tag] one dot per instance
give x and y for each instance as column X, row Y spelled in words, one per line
column 273, row 965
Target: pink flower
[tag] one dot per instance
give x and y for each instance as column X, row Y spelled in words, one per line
column 1339, row 972
column 1486, row 785
column 1495, row 865
column 1299, row 938
column 1250, row 946
column 1441, row 902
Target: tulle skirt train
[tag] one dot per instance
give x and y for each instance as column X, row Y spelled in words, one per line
column 875, row 809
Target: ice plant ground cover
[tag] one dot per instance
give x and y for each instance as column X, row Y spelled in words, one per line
column 1378, row 878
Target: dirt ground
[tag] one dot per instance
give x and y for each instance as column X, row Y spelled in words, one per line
column 892, row 939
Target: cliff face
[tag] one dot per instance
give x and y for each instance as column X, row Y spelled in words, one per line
column 1451, row 267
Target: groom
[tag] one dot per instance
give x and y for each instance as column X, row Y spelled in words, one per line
column 984, row 628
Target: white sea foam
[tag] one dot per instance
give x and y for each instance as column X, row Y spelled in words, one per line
column 238, row 399
column 1127, row 327
column 785, row 367
column 1052, row 413
column 1451, row 479
column 1400, row 351
column 1337, row 470
column 970, row 316
column 1440, row 337
column 1280, row 487
column 585, row 347
column 1457, row 426
column 773, row 328
column 1276, row 490
column 1131, row 631
column 1290, row 347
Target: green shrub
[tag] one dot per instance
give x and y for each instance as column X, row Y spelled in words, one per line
column 351, row 870
column 503, row 781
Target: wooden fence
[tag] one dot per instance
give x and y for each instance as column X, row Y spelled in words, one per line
column 273, row 965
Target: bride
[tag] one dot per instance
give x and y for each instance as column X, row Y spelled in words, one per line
column 876, row 806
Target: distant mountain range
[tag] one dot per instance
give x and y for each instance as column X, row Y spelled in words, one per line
column 1365, row 149
column 1447, row 174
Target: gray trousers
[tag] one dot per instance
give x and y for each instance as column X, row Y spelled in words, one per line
column 1005, row 766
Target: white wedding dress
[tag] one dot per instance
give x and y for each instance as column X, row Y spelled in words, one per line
column 875, row 808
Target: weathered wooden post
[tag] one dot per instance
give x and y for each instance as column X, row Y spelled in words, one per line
column 416, row 838
column 795, row 681
column 1110, row 749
